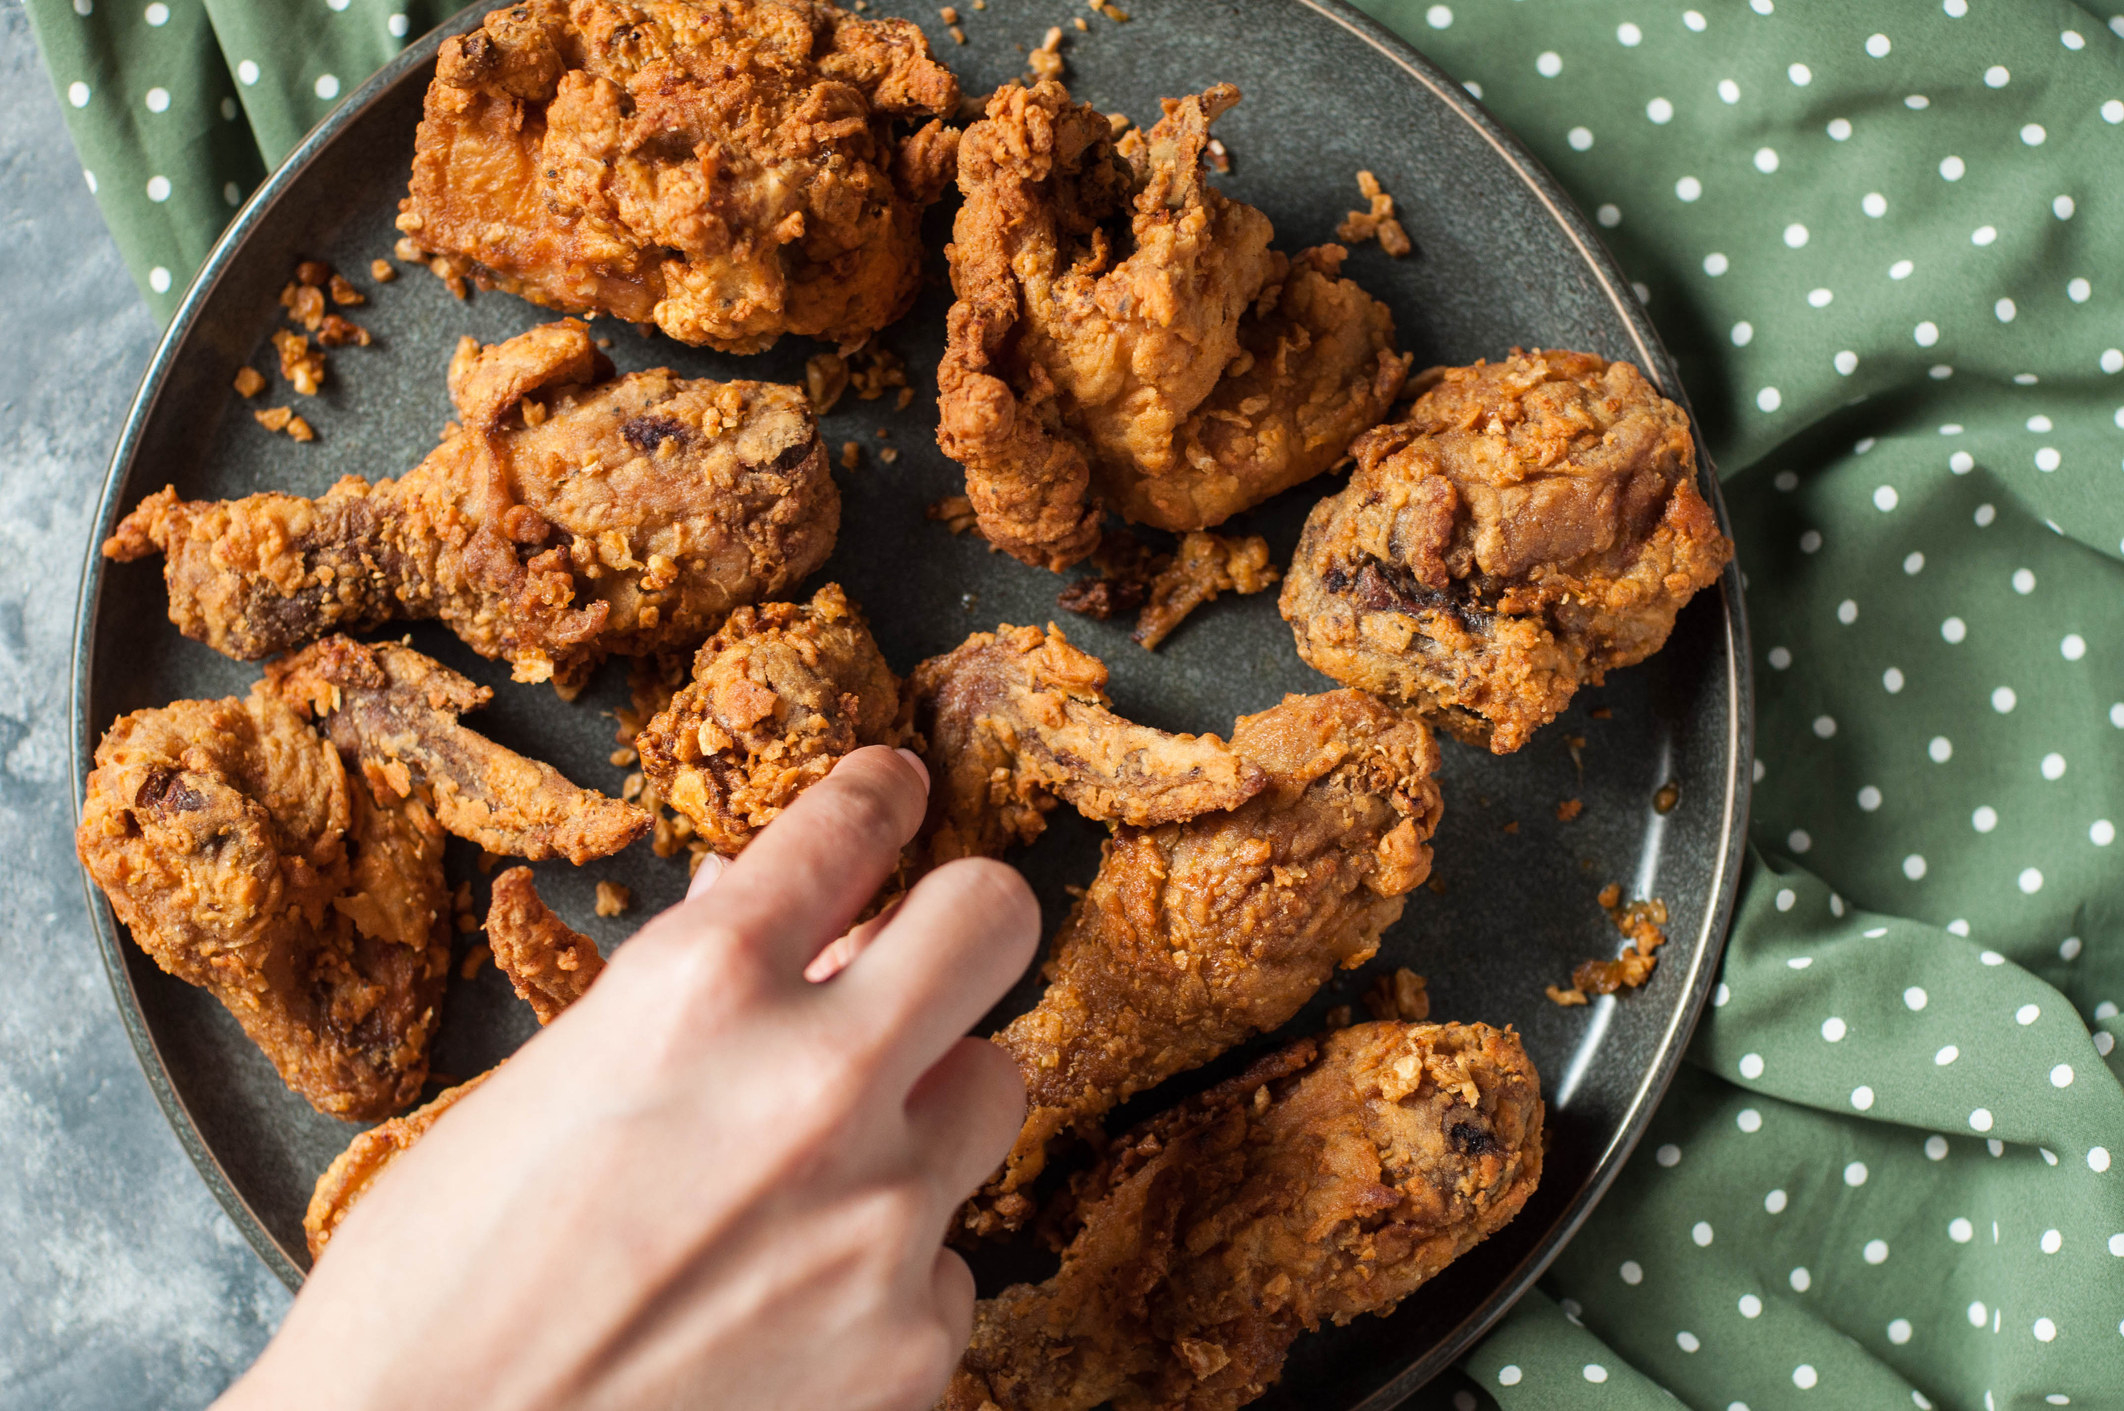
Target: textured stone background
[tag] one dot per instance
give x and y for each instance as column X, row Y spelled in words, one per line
column 121, row 1282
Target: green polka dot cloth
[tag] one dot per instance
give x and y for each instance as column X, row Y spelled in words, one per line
column 1885, row 242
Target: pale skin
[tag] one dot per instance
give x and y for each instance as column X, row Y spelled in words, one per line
column 716, row 1181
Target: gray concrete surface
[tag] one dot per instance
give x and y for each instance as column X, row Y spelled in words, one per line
column 121, row 1282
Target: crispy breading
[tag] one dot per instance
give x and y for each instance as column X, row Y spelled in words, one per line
column 1124, row 335
column 549, row 963
column 779, row 694
column 354, row 1171
column 728, row 171
column 1331, row 1181
column 396, row 712
column 1198, row 935
column 1204, row 566
column 233, row 846
column 1532, row 525
column 1014, row 719
column 571, row 515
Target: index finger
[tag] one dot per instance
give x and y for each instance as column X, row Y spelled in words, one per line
column 810, row 873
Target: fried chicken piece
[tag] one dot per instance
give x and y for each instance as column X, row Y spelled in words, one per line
column 778, row 696
column 728, row 170
column 1014, row 719
column 395, row 712
column 1123, row 333
column 354, row 1171
column 1332, row 1180
column 234, row 848
column 1206, row 565
column 550, row 963
column 1532, row 525
column 572, row 515
column 1198, row 935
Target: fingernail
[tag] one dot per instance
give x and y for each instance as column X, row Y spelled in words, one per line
column 920, row 768
column 713, row 865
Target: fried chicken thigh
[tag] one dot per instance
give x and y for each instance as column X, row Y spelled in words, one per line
column 571, row 515
column 1532, row 525
column 779, row 694
column 1198, row 935
column 1333, row 1180
column 1124, row 336
column 394, row 712
column 234, row 847
column 727, row 170
column 1014, row 719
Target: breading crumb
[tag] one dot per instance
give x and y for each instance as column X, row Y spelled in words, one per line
column 313, row 274
column 1378, row 223
column 1220, row 157
column 1082, row 27
column 1338, row 1017
column 623, row 756
column 954, row 512
column 1512, row 827
column 1206, row 565
column 1669, row 795
column 249, row 382
column 851, row 455
column 1641, row 923
column 300, row 364
column 958, row 35
column 408, row 249
column 872, row 370
column 335, row 332
column 305, row 304
column 1114, row 13
column 474, row 958
column 1569, row 809
column 467, row 923
column 1401, row 995
column 1601, row 713
column 1046, row 61
column 948, row 15
column 300, row 430
column 825, row 379
column 343, row 293
column 613, row 899
column 382, row 271
column 888, row 454
column 274, row 418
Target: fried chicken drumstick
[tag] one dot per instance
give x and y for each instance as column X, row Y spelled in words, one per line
column 1124, row 335
column 1532, row 525
column 573, row 514
column 1333, row 1180
column 1198, row 935
column 551, row 966
column 728, row 170
column 286, row 871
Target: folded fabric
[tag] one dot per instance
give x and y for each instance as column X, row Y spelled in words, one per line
column 1885, row 244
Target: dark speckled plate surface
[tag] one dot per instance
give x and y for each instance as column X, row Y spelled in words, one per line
column 1501, row 258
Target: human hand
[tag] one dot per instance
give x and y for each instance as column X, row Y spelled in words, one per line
column 711, row 1182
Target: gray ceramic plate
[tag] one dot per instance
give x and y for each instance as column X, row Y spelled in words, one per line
column 1502, row 258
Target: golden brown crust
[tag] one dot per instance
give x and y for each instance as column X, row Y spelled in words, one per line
column 354, row 1171
column 1014, row 719
column 550, row 963
column 1123, row 332
column 1532, row 525
column 1197, row 935
column 1331, row 1181
column 570, row 516
column 394, row 711
column 236, row 851
column 779, row 694
column 728, row 171
column 1203, row 566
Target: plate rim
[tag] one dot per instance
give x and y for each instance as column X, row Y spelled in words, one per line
column 1563, row 213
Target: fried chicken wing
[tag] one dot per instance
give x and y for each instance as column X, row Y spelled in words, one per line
column 779, row 694
column 234, row 848
column 728, row 170
column 1197, row 935
column 1123, row 334
column 549, row 963
column 1333, row 1180
column 1014, row 719
column 1532, row 525
column 573, row 514
column 394, row 711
